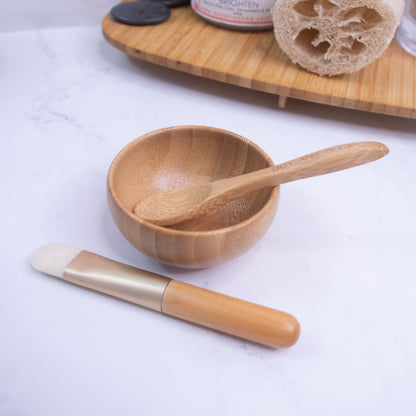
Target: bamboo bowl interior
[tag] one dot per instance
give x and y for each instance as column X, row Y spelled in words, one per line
column 180, row 156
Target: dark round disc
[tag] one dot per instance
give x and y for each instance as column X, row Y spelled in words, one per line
column 173, row 3
column 140, row 13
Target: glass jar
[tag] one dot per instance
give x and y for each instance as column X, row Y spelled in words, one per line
column 236, row 14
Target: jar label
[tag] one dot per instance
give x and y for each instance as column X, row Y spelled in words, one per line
column 236, row 12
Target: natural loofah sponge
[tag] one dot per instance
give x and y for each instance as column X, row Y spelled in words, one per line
column 338, row 36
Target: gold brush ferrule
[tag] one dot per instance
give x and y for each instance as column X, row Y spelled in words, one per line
column 117, row 279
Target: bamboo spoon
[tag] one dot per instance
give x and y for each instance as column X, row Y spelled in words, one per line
column 177, row 205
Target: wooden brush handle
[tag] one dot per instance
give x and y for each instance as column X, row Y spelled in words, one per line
column 230, row 315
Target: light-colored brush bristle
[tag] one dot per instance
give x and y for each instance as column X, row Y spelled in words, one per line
column 53, row 258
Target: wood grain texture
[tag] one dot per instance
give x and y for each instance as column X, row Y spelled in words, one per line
column 182, row 156
column 254, row 60
column 230, row 315
column 181, row 204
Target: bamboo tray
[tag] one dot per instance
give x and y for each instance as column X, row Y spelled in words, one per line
column 254, row 60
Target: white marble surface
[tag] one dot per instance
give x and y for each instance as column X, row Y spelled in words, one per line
column 41, row 14
column 340, row 254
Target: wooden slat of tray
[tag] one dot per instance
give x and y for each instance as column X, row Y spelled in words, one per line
column 254, row 60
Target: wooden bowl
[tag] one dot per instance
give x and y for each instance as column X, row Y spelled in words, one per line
column 181, row 156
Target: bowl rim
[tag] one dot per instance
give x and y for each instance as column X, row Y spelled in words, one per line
column 174, row 232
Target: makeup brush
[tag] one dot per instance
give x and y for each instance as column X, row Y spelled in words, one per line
column 243, row 319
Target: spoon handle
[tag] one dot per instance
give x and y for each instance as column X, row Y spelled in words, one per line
column 325, row 161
